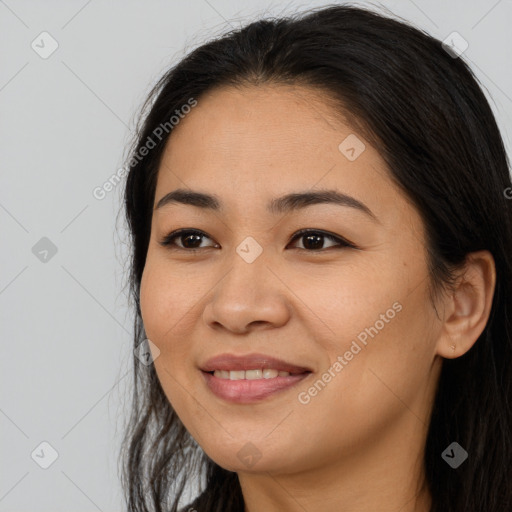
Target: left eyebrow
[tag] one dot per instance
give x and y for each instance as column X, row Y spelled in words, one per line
column 279, row 205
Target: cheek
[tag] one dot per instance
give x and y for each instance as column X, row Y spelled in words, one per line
column 167, row 306
column 169, row 302
column 379, row 335
column 152, row 294
column 377, row 382
column 165, row 299
column 350, row 299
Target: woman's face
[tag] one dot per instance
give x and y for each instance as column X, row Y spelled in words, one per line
column 358, row 318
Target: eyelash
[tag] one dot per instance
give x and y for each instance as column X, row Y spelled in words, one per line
column 168, row 241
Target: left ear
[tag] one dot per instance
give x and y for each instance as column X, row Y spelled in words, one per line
column 467, row 308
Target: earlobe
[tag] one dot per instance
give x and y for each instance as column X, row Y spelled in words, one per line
column 468, row 306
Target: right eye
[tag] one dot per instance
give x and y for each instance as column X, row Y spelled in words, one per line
column 187, row 237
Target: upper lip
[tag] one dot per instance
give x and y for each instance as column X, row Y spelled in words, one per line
column 250, row 362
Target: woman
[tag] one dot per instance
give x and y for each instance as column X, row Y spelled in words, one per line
column 321, row 276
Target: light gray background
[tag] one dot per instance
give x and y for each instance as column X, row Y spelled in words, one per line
column 65, row 122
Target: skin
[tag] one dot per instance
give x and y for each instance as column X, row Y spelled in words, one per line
column 358, row 444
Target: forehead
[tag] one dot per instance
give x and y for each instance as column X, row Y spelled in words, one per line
column 255, row 115
column 270, row 140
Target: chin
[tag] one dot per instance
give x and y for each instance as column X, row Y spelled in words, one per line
column 252, row 457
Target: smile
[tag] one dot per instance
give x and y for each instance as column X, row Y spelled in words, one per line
column 266, row 373
column 250, row 378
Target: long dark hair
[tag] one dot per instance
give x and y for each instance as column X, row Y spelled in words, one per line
column 426, row 114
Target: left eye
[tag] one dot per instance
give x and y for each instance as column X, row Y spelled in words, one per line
column 313, row 238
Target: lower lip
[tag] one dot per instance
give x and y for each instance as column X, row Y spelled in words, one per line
column 245, row 391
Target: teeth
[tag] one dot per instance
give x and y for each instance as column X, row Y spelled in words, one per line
column 266, row 373
column 252, row 374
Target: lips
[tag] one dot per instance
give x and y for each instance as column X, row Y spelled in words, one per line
column 231, row 362
column 250, row 378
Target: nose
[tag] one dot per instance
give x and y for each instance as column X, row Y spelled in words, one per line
column 250, row 296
